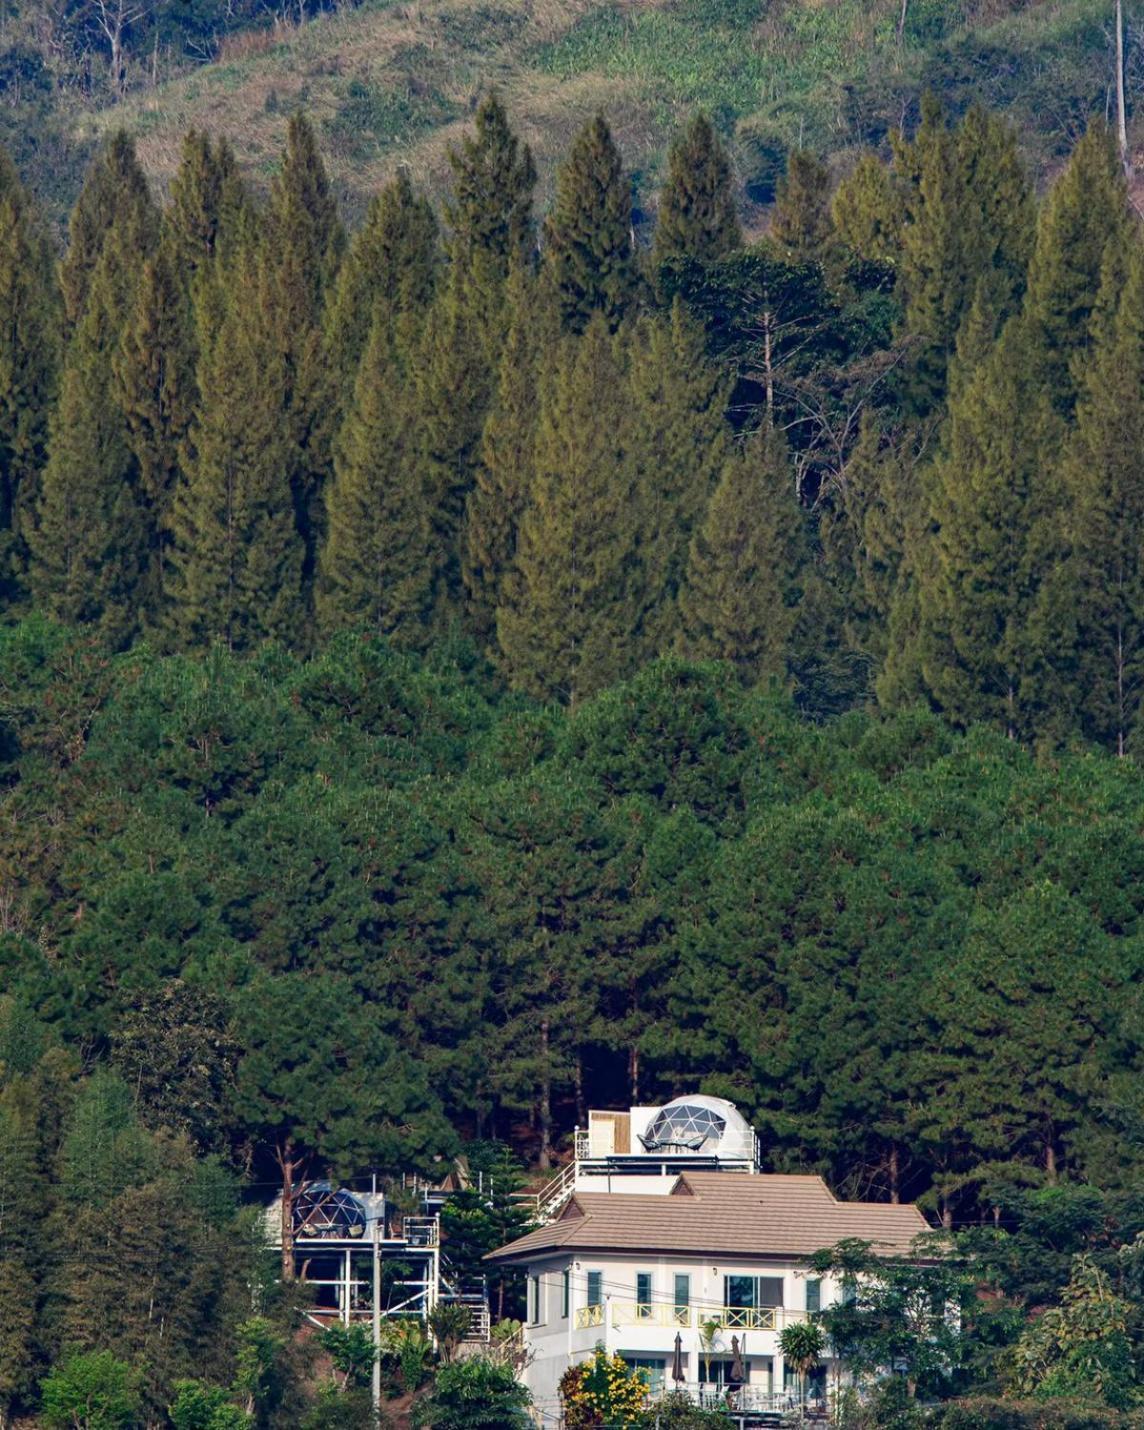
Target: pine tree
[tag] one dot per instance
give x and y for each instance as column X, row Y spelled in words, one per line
column 235, row 565
column 503, row 476
column 678, row 447
column 378, row 566
column 568, row 612
column 456, row 373
column 697, row 217
column 588, row 234
column 989, row 639
column 393, row 259
column 301, row 252
column 969, row 218
column 1105, row 525
column 115, row 199
column 490, row 210
column 88, row 545
column 739, row 598
column 28, row 362
column 154, row 388
column 802, row 226
column 868, row 212
column 1085, row 213
column 208, row 203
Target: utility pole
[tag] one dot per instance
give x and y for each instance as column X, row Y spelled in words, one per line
column 375, row 1381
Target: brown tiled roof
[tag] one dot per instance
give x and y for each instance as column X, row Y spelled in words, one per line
column 721, row 1214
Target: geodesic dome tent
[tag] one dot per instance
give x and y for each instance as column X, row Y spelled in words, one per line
column 696, row 1124
column 322, row 1210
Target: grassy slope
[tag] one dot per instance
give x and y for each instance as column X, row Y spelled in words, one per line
column 396, row 82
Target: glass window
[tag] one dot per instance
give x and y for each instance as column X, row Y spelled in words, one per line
column 682, row 1291
column 595, row 1288
column 565, row 1293
column 753, row 1291
column 651, row 1370
column 720, row 1372
column 535, row 1299
column 813, row 1295
column 643, row 1292
column 685, row 1127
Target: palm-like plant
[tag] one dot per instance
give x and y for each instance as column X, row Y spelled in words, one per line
column 802, row 1344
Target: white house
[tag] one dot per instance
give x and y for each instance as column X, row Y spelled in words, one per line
column 684, row 1237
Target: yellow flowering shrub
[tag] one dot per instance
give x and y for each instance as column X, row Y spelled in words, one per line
column 601, row 1391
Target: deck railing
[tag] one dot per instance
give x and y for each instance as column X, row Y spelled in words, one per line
column 639, row 1313
column 588, row 1316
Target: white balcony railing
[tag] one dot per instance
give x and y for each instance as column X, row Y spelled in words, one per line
column 588, row 1316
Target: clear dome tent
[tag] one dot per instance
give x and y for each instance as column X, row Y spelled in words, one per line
column 322, row 1210
column 694, row 1124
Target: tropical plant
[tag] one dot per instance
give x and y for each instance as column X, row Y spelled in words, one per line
column 601, row 1391
column 352, row 1351
column 93, row 1391
column 475, row 1394
column 449, row 1323
column 801, row 1345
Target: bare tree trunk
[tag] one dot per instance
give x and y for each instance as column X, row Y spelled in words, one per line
column 1050, row 1163
column 578, row 1083
column 545, row 1109
column 1121, row 107
column 895, row 1177
column 902, row 20
column 288, row 1164
column 768, row 368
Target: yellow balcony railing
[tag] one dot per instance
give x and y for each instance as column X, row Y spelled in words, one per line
column 749, row 1318
column 588, row 1316
column 636, row 1313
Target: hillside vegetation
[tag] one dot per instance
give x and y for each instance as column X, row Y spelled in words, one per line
column 391, row 83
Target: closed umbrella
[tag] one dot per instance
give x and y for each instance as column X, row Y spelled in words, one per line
column 677, row 1360
column 738, row 1373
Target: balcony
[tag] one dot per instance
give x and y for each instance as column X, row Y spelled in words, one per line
column 588, row 1316
column 638, row 1313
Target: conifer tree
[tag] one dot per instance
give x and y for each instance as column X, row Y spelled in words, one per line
column 802, row 225
column 154, row 388
column 739, row 599
column 969, row 220
column 490, row 210
column 378, row 565
column 393, row 259
column 88, row 545
column 1085, row 213
column 456, row 373
column 989, row 640
column 302, row 249
column 502, row 477
column 235, row 566
column 588, row 234
column 868, row 213
column 569, row 610
column 678, row 448
column 1104, row 482
column 696, row 217
column 208, row 201
column 114, row 199
column 28, row 361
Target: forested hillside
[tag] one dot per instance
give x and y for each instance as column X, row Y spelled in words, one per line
column 502, row 658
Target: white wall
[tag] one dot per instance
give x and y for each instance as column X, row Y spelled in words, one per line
column 557, row 1341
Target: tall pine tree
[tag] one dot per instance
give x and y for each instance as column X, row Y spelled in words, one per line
column 88, row 544
column 588, row 233
column 114, row 199
column 490, row 211
column 569, row 608
column 378, row 565
column 235, row 567
column 697, row 217
column 740, row 595
column 208, row 203
column 29, row 355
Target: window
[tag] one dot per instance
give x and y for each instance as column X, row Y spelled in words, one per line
column 682, row 1291
column 643, row 1294
column 753, row 1292
column 652, row 1371
column 814, row 1387
column 535, row 1307
column 565, row 1293
column 684, row 1127
column 849, row 1291
column 718, row 1373
column 595, row 1288
column 813, row 1296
